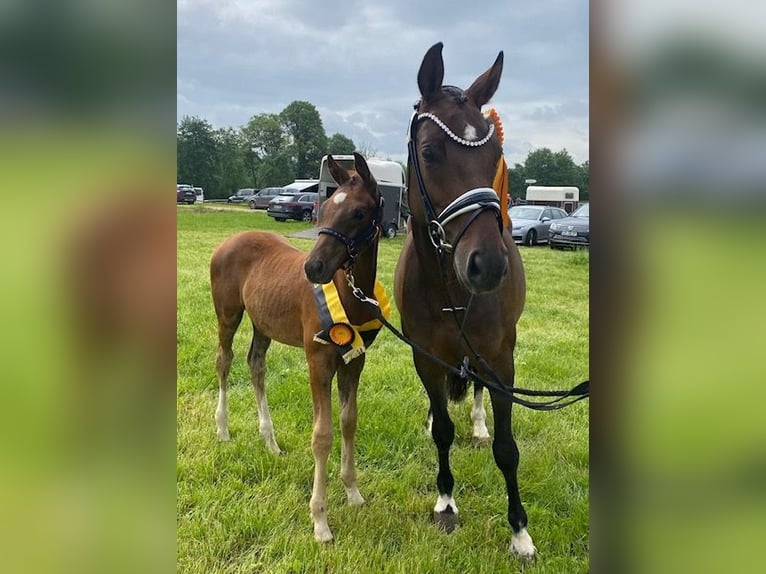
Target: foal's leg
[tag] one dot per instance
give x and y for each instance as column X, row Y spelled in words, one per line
column 443, row 433
column 507, row 459
column 227, row 327
column 322, row 366
column 348, row 381
column 256, row 359
column 478, row 414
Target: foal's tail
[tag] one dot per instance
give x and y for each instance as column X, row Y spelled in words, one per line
column 457, row 387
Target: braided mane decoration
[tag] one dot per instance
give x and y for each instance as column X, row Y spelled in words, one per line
column 495, row 117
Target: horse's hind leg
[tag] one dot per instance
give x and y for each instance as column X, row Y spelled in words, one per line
column 256, row 359
column 227, row 327
column 348, row 382
column 478, row 414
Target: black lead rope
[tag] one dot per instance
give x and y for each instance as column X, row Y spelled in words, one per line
column 578, row 393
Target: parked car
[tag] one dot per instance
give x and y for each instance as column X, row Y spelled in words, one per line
column 185, row 194
column 573, row 231
column 200, row 193
column 530, row 223
column 292, row 206
column 241, row 195
column 261, row 199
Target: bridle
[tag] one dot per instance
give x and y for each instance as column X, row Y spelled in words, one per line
column 355, row 245
column 474, row 201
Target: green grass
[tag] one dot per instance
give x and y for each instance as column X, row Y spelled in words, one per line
column 241, row 509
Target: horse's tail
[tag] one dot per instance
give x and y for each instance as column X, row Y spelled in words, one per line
column 457, row 387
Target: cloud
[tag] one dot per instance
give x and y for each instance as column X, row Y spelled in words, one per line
column 357, row 62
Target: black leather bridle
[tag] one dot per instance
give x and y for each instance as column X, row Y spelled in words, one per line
column 475, row 200
column 355, row 245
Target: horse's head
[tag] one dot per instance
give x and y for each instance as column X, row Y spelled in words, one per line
column 349, row 220
column 456, row 152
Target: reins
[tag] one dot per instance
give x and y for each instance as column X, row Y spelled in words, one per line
column 579, row 392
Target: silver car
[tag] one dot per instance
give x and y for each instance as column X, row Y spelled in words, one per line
column 530, row 223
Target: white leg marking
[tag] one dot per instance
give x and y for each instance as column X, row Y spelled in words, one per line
column 339, row 197
column 479, row 417
column 222, row 417
column 470, row 132
column 521, row 544
column 266, row 427
column 430, row 424
column 445, row 501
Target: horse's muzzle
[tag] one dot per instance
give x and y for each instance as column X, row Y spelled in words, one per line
column 485, row 269
column 317, row 272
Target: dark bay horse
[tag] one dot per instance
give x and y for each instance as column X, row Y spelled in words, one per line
column 459, row 282
column 261, row 273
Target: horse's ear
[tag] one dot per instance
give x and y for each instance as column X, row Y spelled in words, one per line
column 337, row 171
column 482, row 90
column 361, row 167
column 431, row 73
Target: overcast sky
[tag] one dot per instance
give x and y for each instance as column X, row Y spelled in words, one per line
column 357, row 62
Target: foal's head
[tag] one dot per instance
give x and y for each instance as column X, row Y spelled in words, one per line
column 348, row 221
column 457, row 153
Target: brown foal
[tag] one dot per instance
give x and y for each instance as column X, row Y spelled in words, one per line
column 261, row 273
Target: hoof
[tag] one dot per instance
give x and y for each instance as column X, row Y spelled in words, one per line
column 446, row 521
column 523, row 547
column 323, row 537
column 223, row 436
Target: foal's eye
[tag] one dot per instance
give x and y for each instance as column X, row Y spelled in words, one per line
column 358, row 214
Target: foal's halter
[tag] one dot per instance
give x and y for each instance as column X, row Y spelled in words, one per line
column 355, row 245
column 473, row 201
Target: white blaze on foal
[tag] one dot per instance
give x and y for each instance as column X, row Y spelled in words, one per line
column 339, row 197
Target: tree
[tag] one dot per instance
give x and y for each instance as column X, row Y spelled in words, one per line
column 303, row 124
column 338, row 144
column 196, row 153
column 585, row 181
column 263, row 139
column 230, row 173
column 516, row 181
column 550, row 168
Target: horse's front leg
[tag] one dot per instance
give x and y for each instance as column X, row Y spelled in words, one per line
column 507, row 459
column 443, row 433
column 348, row 382
column 322, row 367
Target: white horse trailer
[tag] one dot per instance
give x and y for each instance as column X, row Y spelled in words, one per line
column 567, row 198
column 391, row 185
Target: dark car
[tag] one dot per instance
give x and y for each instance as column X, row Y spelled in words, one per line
column 530, row 223
column 262, row 198
column 295, row 205
column 241, row 195
column 185, row 194
column 573, row 231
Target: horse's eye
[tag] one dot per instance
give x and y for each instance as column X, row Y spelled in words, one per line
column 429, row 156
column 358, row 214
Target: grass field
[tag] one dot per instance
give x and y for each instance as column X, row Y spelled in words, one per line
column 241, row 509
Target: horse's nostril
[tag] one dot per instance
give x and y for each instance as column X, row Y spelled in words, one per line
column 485, row 270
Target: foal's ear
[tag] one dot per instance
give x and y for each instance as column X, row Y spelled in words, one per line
column 431, row 73
column 361, row 167
column 482, row 90
column 337, row 171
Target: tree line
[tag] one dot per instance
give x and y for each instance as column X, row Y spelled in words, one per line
column 270, row 150
column 275, row 149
